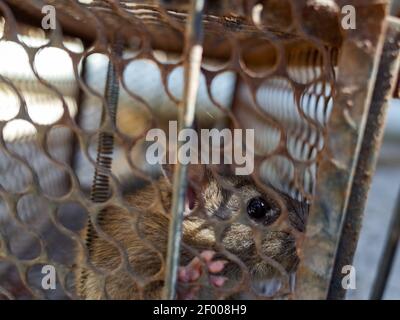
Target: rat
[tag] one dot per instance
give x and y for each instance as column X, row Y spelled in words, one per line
column 225, row 215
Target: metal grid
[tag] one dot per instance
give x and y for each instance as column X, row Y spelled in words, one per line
column 304, row 86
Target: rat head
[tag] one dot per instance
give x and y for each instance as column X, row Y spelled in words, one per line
column 259, row 224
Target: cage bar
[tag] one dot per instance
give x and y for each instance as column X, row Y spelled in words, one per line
column 194, row 50
column 358, row 67
column 315, row 95
column 372, row 140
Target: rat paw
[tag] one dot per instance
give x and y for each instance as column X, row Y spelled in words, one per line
column 190, row 274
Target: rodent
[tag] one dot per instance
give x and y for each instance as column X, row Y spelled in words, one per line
column 223, row 199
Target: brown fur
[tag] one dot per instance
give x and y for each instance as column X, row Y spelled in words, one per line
column 146, row 245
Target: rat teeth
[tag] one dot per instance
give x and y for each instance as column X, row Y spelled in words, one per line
column 187, row 211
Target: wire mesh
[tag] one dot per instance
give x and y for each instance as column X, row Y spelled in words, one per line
column 271, row 66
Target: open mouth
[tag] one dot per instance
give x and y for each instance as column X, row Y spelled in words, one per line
column 190, row 201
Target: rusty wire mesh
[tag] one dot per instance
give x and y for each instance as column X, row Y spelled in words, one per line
column 274, row 72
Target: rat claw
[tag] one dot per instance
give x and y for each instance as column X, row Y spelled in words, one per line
column 193, row 271
column 218, row 281
column 216, row 266
column 183, row 275
column 207, row 255
column 194, row 274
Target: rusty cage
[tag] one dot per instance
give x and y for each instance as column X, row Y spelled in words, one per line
column 77, row 98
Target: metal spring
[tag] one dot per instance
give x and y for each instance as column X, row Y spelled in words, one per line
column 101, row 185
column 100, row 191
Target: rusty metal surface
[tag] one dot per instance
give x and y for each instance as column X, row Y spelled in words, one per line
column 369, row 152
column 358, row 68
column 80, row 19
column 303, row 86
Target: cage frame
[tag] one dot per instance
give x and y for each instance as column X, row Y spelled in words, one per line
column 354, row 152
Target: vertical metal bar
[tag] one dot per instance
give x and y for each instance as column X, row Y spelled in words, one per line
column 388, row 254
column 369, row 152
column 193, row 56
column 357, row 71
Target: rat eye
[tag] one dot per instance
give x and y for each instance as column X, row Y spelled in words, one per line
column 258, row 208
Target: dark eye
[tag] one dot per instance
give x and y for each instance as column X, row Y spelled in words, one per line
column 260, row 209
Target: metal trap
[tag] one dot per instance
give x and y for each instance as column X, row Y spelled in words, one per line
column 78, row 98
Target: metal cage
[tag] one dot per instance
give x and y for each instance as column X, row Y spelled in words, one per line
column 77, row 99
